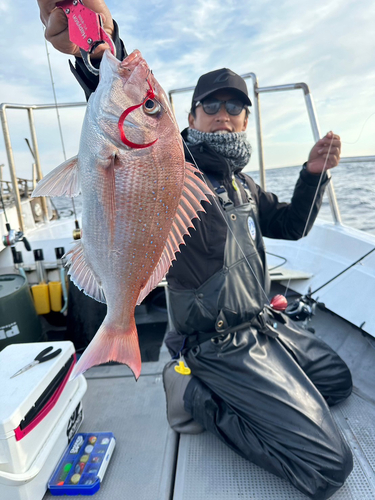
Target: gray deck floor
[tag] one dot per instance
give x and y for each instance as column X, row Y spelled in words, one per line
column 209, row 470
column 143, row 465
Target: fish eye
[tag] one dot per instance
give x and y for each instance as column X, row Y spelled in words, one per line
column 151, row 107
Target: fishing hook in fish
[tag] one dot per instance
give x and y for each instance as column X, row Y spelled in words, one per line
column 149, row 95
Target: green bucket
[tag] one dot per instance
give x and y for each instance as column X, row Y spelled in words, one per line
column 19, row 322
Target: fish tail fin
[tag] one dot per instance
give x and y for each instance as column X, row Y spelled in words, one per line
column 112, row 343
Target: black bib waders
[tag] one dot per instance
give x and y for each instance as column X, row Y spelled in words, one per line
column 261, row 384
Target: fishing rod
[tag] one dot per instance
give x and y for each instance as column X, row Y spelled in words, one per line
column 303, row 308
column 343, row 271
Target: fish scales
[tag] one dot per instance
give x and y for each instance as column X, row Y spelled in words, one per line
column 140, row 227
column 138, row 199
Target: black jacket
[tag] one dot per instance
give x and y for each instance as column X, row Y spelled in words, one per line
column 203, row 254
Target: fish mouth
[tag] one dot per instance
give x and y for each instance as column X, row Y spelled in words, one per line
column 125, row 67
column 136, row 61
column 131, row 58
column 128, row 65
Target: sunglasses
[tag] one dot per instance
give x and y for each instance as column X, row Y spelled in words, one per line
column 212, row 106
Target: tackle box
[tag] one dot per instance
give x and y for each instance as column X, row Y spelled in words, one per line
column 83, row 465
column 40, row 412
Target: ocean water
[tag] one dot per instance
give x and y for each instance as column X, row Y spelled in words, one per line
column 354, row 185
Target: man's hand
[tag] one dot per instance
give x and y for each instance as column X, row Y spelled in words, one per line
column 318, row 154
column 56, row 23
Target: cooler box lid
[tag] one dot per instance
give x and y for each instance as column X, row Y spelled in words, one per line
column 23, row 397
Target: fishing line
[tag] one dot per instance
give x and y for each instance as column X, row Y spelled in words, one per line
column 317, row 189
column 312, row 205
column 58, row 119
column 308, row 218
column 222, row 214
column 363, row 126
column 284, row 259
column 55, row 99
column 229, row 228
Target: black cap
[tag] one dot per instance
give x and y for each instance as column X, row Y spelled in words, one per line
column 221, row 79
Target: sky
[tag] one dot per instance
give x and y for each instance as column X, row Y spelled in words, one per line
column 328, row 44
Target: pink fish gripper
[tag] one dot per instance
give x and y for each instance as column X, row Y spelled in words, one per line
column 85, row 30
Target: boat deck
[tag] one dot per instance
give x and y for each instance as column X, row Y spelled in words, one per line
column 151, row 462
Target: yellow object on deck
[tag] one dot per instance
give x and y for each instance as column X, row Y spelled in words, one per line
column 41, row 298
column 55, row 295
column 182, row 369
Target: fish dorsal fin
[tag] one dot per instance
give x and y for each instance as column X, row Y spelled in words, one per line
column 62, row 181
column 82, row 275
column 194, row 191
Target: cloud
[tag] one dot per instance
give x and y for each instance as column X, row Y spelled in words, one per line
column 326, row 43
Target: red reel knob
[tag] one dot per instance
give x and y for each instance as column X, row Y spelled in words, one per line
column 279, row 303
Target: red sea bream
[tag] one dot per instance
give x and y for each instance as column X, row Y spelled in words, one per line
column 138, row 198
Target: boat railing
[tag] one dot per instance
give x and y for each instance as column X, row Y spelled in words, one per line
column 17, row 183
column 359, row 159
column 37, row 171
column 309, row 102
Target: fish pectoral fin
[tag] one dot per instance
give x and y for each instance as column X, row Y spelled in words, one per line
column 193, row 193
column 81, row 274
column 62, row 181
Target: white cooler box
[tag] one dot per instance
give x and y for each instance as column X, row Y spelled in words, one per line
column 40, row 411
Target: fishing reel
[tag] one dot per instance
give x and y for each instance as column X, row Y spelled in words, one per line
column 302, row 309
column 13, row 237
